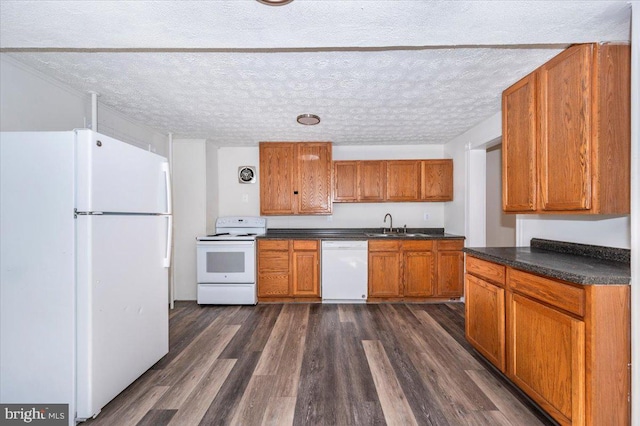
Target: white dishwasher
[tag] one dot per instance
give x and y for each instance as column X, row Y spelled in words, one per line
column 344, row 271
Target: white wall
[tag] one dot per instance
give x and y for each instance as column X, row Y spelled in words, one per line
column 614, row 231
column 32, row 101
column 501, row 227
column 244, row 199
column 212, row 195
column 466, row 214
column 189, row 211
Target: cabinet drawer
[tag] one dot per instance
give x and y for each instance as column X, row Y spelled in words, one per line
column 273, row 261
column 555, row 293
column 450, row 244
column 281, row 245
column 487, row 270
column 377, row 245
column 418, row 245
column 305, row 244
column 273, row 285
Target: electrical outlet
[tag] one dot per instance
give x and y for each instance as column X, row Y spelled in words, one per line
column 426, row 216
column 245, row 198
column 330, row 218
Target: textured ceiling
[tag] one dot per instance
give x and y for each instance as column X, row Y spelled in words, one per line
column 238, row 72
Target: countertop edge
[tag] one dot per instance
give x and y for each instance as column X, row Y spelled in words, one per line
column 550, row 272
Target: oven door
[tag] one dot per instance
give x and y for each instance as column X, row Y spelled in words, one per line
column 226, row 262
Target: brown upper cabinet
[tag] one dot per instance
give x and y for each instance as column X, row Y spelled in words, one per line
column 566, row 134
column 403, row 180
column 295, row 178
column 372, row 178
column 437, row 180
column 393, row 180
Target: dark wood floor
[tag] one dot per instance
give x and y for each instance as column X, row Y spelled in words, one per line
column 315, row 364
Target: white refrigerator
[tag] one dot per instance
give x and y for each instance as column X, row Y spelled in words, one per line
column 85, row 243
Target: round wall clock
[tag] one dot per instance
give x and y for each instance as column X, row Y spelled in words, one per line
column 246, row 174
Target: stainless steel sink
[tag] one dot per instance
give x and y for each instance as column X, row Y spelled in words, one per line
column 393, row 234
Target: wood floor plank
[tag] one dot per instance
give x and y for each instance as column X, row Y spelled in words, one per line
column 198, row 402
column 280, row 411
column 433, row 333
column 189, row 379
column 484, row 418
column 133, row 412
column 345, row 312
column 506, row 403
column 254, row 331
column 191, row 330
column 290, row 363
column 394, row 403
column 126, row 398
column 253, row 405
column 196, row 352
column 157, row 418
column 275, row 345
column 223, row 406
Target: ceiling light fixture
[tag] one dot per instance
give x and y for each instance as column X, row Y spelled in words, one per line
column 308, row 119
column 275, row 2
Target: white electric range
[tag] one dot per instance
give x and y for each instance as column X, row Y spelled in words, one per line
column 226, row 261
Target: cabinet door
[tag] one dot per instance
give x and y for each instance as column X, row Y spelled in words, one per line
column 305, row 273
column 372, row 180
column 450, row 273
column 384, row 274
column 485, row 320
column 519, row 141
column 437, row 180
column 403, row 180
column 345, row 179
column 273, row 268
column 546, row 353
column 314, row 178
column 276, row 178
column 418, row 273
column 565, row 131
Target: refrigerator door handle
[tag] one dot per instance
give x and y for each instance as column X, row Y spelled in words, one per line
column 167, row 180
column 167, row 258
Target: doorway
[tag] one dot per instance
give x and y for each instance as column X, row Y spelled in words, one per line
column 500, row 227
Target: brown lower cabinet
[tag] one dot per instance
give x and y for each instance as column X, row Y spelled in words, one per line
column 288, row 269
column 566, row 345
column 405, row 269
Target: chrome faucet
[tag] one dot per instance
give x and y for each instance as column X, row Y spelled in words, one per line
column 390, row 223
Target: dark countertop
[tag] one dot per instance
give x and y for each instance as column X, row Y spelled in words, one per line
column 576, row 263
column 355, row 234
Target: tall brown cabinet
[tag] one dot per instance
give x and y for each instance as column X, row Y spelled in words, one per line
column 566, row 134
column 296, row 178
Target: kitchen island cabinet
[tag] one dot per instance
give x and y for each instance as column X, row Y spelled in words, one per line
column 566, row 134
column 296, row 178
column 565, row 344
